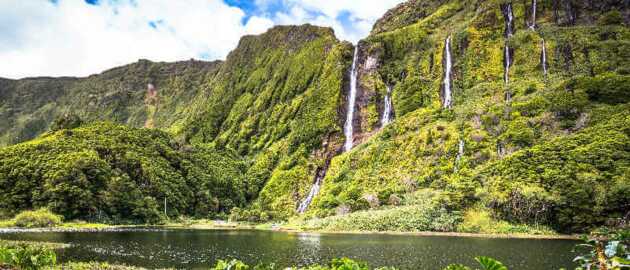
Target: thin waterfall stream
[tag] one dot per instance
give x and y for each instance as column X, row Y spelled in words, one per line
column 348, row 127
column 387, row 108
column 348, row 132
column 509, row 32
column 532, row 25
column 319, row 176
column 543, row 58
column 448, row 95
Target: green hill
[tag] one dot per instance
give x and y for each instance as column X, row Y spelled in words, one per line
column 106, row 171
column 530, row 128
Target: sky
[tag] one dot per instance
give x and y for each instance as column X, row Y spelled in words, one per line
column 83, row 37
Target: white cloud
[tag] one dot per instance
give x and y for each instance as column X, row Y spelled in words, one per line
column 72, row 38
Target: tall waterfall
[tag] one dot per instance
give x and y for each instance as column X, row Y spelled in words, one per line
column 387, row 109
column 348, row 128
column 448, row 96
column 509, row 31
column 532, row 25
column 543, row 58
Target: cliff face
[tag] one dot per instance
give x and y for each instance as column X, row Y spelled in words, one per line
column 140, row 94
column 515, row 90
column 278, row 99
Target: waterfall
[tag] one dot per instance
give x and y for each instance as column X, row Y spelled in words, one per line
column 509, row 19
column 507, row 61
column 460, row 153
column 387, row 109
column 509, row 31
column 543, row 58
column 348, row 128
column 448, row 96
column 532, row 26
column 460, row 150
column 311, row 194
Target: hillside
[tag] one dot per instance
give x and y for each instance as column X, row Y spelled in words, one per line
column 123, row 95
column 108, row 172
column 522, row 126
column 515, row 111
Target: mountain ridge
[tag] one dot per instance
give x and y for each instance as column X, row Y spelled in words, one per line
column 522, row 87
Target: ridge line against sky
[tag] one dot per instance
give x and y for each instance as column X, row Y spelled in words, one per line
column 84, row 37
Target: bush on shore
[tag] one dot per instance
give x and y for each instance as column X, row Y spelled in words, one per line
column 37, row 219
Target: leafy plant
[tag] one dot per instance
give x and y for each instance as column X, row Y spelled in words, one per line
column 27, row 257
column 610, row 252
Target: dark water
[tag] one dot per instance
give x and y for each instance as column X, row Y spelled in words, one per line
column 194, row 249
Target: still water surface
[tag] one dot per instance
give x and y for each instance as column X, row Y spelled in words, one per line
column 196, row 249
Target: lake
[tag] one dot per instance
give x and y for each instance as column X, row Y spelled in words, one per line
column 196, row 249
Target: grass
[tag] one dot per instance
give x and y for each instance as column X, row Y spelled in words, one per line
column 413, row 218
column 480, row 221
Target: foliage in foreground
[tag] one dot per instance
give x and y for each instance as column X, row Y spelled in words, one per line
column 26, row 257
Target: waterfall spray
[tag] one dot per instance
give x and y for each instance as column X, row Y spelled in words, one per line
column 348, row 128
column 448, row 96
column 387, row 108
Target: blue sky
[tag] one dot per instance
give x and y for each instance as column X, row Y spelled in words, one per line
column 82, row 37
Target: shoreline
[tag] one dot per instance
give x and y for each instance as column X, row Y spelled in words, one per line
column 265, row 227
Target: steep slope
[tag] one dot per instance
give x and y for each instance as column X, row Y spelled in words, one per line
column 108, row 172
column 277, row 101
column 523, row 94
column 140, row 94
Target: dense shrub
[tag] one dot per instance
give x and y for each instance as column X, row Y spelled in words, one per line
column 36, row 219
column 572, row 183
column 608, row 88
column 414, row 218
column 26, row 257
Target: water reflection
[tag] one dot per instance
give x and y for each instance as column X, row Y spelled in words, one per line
column 196, row 249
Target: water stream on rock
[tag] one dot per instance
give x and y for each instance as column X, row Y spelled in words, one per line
column 543, row 58
column 319, row 176
column 348, row 127
column 448, row 96
column 387, row 109
column 532, row 25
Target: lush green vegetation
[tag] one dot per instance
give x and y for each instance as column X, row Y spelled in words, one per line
column 26, row 256
column 554, row 155
column 36, row 219
column 247, row 136
column 275, row 101
column 111, row 173
column 28, row 107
